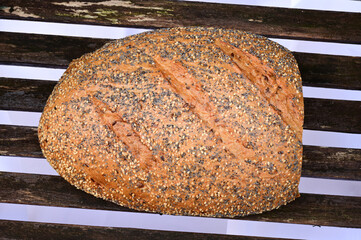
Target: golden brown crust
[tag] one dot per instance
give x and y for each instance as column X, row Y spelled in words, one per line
column 273, row 89
column 190, row 90
column 180, row 121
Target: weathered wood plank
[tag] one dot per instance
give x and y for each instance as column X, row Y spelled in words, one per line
column 54, row 191
column 339, row 163
column 343, row 163
column 279, row 22
column 320, row 114
column 33, row 230
column 19, row 141
column 44, row 50
column 332, row 115
column 24, row 94
column 57, row 52
column 329, row 71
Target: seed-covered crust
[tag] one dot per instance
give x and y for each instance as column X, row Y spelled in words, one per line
column 191, row 121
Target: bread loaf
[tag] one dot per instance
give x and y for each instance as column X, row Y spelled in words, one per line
column 186, row 121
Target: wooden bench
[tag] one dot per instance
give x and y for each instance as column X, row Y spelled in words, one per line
column 317, row 70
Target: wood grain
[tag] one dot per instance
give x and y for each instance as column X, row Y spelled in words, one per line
column 44, row 50
column 311, row 209
column 33, row 230
column 332, row 115
column 57, row 52
column 320, row 114
column 330, row 71
column 344, row 163
column 24, row 94
column 269, row 21
column 19, row 141
column 338, row 163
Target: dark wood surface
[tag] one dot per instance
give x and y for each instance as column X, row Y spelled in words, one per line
column 44, row 50
column 57, row 52
column 279, row 22
column 329, row 71
column 24, row 94
column 46, row 231
column 332, row 115
column 326, row 162
column 19, row 141
column 338, row 163
column 47, row 190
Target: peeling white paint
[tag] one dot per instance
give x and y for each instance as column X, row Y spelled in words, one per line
column 104, row 13
column 341, row 155
column 141, row 18
column 18, row 11
column 82, row 13
column 112, row 20
column 255, row 20
column 110, row 3
column 75, row 4
column 89, row 16
column 6, row 9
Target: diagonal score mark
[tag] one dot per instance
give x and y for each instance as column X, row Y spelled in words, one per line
column 191, row 91
column 270, row 87
column 126, row 133
column 187, row 87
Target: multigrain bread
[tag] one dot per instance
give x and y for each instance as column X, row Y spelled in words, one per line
column 190, row 121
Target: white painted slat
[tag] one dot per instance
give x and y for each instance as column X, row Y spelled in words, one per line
column 331, row 93
column 328, row 48
column 330, row 186
column 26, row 165
column 104, row 218
column 307, row 184
column 325, row 5
column 19, row 118
column 287, row 230
column 108, row 218
column 67, row 29
column 331, row 139
column 25, row 72
column 78, row 30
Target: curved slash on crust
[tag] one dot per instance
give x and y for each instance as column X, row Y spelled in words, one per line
column 125, row 133
column 270, row 87
column 185, row 85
